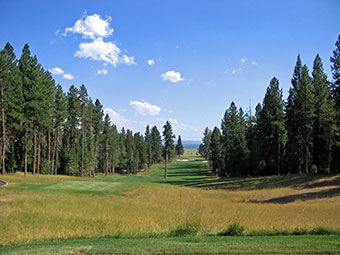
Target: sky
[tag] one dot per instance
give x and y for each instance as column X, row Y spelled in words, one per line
column 182, row 61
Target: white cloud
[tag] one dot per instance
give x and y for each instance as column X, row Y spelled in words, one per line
column 128, row 60
column 91, row 26
column 172, row 76
column 177, row 46
column 103, row 51
column 68, row 76
column 102, row 71
column 151, row 62
column 57, row 71
column 145, row 109
column 253, row 62
column 243, row 60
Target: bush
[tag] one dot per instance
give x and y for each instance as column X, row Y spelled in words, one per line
column 234, row 229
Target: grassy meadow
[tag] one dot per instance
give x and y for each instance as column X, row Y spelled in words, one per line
column 192, row 201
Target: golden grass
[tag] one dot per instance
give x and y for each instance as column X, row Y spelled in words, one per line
column 153, row 209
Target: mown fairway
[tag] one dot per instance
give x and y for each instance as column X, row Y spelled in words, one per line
column 145, row 213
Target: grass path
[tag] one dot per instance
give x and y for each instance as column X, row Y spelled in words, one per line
column 328, row 244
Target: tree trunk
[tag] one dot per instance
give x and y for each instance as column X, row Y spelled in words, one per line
column 107, row 156
column 49, row 152
column 3, row 144
column 95, row 157
column 25, row 164
column 38, row 164
column 113, row 163
column 166, row 165
column 35, row 152
column 82, row 146
column 54, row 150
column 56, row 153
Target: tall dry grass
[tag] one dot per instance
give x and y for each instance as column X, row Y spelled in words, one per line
column 153, row 209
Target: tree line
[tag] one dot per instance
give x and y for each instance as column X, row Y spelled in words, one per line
column 299, row 135
column 44, row 130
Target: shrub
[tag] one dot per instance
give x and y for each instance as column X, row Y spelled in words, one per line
column 234, row 229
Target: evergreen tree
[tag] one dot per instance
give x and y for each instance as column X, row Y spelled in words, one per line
column 292, row 121
column 97, row 129
column 59, row 115
column 83, row 101
column 324, row 124
column 156, row 145
column 148, row 146
column 11, row 102
column 234, row 142
column 131, row 153
column 179, row 147
column 305, row 114
column 168, row 144
column 106, row 137
column 335, row 59
column 271, row 126
column 217, row 152
column 206, row 152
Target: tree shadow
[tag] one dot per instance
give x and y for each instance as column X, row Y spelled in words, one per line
column 302, row 197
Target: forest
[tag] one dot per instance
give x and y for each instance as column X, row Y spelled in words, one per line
column 297, row 135
column 47, row 131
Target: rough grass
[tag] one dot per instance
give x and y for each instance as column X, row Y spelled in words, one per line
column 184, row 245
column 61, row 207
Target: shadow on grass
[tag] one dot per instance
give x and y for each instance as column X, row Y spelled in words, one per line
column 303, row 197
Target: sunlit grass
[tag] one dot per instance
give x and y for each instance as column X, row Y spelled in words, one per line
column 61, row 207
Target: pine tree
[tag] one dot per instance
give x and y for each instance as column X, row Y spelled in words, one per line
column 206, row 148
column 83, row 101
column 97, row 128
column 293, row 161
column 148, row 146
column 324, row 124
column 335, row 86
column 271, row 125
column 179, row 147
column 217, row 151
column 106, row 136
column 168, row 144
column 305, row 114
column 234, row 142
column 59, row 115
column 156, row 145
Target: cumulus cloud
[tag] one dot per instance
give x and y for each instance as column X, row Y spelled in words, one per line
column 172, row 76
column 151, row 62
column 59, row 71
column 96, row 28
column 91, row 26
column 68, row 76
column 127, row 60
column 102, row 71
column 145, row 109
column 103, row 51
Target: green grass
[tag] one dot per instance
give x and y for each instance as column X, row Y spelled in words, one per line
column 325, row 244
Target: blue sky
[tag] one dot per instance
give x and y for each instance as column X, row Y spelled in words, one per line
column 183, row 61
